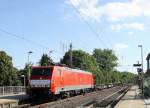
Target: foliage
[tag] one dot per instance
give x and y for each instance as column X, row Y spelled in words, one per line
column 25, row 72
column 127, row 77
column 26, row 69
column 106, row 60
column 102, row 64
column 8, row 74
column 45, row 60
column 80, row 60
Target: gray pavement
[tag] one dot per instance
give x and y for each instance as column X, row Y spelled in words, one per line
column 19, row 96
column 133, row 99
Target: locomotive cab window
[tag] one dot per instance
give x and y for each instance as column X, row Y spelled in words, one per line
column 41, row 72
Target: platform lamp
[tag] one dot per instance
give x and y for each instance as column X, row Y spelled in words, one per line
column 141, row 47
column 29, row 53
column 24, row 80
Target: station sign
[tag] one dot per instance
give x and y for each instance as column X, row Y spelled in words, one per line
column 137, row 65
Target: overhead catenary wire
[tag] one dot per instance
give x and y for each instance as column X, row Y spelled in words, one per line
column 23, row 38
column 33, row 42
column 27, row 40
column 45, row 47
column 102, row 32
column 90, row 27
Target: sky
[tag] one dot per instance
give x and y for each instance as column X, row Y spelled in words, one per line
column 51, row 25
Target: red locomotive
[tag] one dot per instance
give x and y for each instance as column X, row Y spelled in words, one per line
column 59, row 80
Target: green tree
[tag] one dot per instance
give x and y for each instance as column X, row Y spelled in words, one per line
column 127, row 77
column 25, row 72
column 106, row 60
column 45, row 60
column 81, row 60
column 8, row 74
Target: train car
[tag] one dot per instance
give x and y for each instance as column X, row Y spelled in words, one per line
column 59, row 80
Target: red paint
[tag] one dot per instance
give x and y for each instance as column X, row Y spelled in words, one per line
column 62, row 77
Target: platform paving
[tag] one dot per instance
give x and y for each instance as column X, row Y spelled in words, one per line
column 133, row 99
column 20, row 96
column 8, row 103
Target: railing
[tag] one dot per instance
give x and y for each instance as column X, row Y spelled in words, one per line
column 12, row 90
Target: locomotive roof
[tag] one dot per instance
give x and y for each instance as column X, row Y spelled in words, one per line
column 41, row 66
column 66, row 68
column 77, row 70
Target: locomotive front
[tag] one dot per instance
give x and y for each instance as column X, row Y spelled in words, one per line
column 40, row 80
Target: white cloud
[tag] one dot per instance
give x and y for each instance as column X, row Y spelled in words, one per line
column 135, row 25
column 115, row 11
column 87, row 8
column 131, row 33
column 120, row 46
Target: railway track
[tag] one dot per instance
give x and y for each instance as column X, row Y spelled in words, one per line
column 108, row 102
column 90, row 100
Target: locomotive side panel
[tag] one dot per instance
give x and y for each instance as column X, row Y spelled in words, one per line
column 72, row 80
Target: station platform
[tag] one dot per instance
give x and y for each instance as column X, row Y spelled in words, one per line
column 133, row 99
column 20, row 96
column 8, row 103
column 11, row 100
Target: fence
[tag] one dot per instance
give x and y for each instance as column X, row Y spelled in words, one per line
column 12, row 89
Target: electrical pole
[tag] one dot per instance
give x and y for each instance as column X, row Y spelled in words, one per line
column 50, row 51
column 62, row 47
column 71, row 55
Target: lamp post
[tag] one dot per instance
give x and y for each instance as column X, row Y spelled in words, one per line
column 141, row 47
column 24, row 80
column 50, row 62
column 30, row 52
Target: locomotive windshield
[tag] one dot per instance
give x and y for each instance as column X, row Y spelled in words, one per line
column 41, row 71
